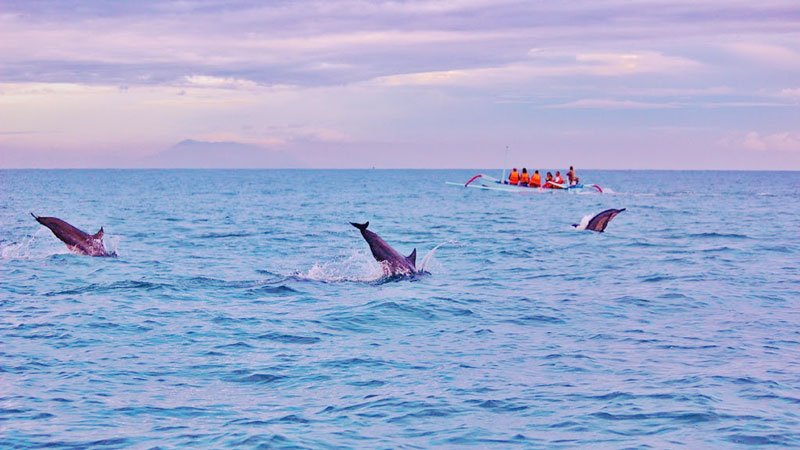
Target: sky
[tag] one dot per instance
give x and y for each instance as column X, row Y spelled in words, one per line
column 599, row 84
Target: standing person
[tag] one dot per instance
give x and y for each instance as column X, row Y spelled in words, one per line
column 573, row 179
column 536, row 180
column 513, row 177
column 524, row 178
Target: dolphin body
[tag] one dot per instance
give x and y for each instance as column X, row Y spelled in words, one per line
column 600, row 221
column 393, row 262
column 77, row 241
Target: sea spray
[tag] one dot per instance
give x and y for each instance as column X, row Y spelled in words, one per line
column 357, row 266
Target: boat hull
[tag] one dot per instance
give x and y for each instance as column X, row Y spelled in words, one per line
column 493, row 184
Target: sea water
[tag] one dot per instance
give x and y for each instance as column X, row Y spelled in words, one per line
column 244, row 311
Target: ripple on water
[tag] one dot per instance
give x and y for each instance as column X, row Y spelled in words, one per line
column 289, row 338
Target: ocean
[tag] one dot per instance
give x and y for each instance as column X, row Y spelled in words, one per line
column 244, row 311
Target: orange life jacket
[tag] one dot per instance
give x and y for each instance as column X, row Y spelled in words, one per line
column 513, row 178
column 559, row 180
column 536, row 180
column 523, row 178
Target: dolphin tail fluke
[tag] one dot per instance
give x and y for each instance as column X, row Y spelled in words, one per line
column 360, row 226
column 412, row 258
column 99, row 234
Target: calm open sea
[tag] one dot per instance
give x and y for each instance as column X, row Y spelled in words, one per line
column 244, row 311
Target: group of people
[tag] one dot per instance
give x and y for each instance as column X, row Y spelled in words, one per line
column 535, row 180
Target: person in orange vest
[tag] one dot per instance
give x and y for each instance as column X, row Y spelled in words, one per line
column 513, row 178
column 524, row 178
column 536, row 180
column 558, row 180
column 548, row 181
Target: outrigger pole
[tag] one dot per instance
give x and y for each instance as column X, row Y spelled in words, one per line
column 505, row 164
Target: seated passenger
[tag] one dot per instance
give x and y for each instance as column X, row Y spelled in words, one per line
column 548, row 181
column 524, row 178
column 536, row 180
column 513, row 178
column 558, row 180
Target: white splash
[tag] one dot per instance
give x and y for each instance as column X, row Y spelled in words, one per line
column 26, row 248
column 111, row 244
column 584, row 223
column 31, row 247
column 429, row 260
column 360, row 266
column 15, row 250
column 357, row 266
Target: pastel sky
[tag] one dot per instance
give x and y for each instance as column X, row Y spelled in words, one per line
column 404, row 84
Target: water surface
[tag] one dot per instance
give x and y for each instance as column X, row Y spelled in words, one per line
column 244, row 311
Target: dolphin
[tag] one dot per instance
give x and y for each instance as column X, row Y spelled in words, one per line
column 393, row 262
column 600, row 221
column 77, row 241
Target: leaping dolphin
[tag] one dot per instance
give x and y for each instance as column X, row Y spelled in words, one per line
column 393, row 262
column 600, row 222
column 77, row 241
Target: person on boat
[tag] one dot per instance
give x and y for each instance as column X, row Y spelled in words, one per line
column 524, row 178
column 558, row 180
column 548, row 181
column 536, row 180
column 573, row 179
column 513, row 178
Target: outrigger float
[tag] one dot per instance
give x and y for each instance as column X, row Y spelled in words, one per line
column 481, row 181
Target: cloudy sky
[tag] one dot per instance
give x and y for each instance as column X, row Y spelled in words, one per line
column 430, row 84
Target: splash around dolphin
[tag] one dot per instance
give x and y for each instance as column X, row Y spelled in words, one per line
column 77, row 241
column 392, row 261
column 600, row 221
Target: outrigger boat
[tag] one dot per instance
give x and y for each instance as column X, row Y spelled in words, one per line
column 481, row 181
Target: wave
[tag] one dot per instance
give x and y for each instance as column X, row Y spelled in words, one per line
column 537, row 319
column 289, row 338
column 118, row 285
column 718, row 235
column 226, row 235
column 256, row 378
column 674, row 416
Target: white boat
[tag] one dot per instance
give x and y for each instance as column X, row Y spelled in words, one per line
column 482, row 181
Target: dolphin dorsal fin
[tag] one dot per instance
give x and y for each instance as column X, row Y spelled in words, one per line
column 412, row 258
column 99, row 234
column 360, row 226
